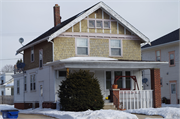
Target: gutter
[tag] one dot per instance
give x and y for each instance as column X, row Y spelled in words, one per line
column 32, row 44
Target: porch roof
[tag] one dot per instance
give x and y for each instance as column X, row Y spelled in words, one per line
column 104, row 64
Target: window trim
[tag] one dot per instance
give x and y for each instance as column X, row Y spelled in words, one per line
column 39, row 58
column 171, row 52
column 120, row 47
column 32, row 48
column 87, row 46
column 156, row 54
column 102, row 20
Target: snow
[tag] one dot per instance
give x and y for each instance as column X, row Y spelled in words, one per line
column 166, row 112
column 89, row 114
column 88, row 59
column 170, row 105
column 10, row 84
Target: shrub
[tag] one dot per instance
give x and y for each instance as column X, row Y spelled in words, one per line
column 80, row 91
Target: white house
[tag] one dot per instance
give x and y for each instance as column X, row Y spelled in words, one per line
column 6, row 84
column 97, row 39
column 165, row 48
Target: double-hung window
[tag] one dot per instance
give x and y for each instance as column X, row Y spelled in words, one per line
column 18, row 84
column 171, row 58
column 115, row 47
column 32, row 54
column 33, row 82
column 158, row 55
column 82, row 46
column 108, row 80
column 40, row 58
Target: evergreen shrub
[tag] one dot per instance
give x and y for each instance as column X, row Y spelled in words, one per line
column 80, row 91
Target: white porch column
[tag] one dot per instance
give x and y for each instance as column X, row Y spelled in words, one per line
column 112, row 77
column 132, row 81
column 124, row 79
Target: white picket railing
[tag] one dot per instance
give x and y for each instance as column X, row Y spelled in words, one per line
column 135, row 99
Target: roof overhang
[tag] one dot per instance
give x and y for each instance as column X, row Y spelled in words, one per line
column 141, row 65
column 108, row 10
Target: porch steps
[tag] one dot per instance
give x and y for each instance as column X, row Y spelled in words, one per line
column 108, row 105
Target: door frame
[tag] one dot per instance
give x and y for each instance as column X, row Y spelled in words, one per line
column 173, row 81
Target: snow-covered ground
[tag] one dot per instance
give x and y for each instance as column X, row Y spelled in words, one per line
column 170, row 105
column 89, row 114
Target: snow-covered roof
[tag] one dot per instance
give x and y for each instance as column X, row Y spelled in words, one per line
column 88, row 59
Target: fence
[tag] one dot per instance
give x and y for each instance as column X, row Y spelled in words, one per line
column 7, row 99
column 135, row 99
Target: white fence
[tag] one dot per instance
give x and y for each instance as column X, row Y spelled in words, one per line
column 7, row 99
column 135, row 99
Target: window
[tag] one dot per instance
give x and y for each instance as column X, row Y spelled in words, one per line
column 119, row 81
column 25, row 84
column 18, row 87
column 62, row 73
column 2, row 93
column 171, row 58
column 99, row 24
column 12, row 90
column 107, row 24
column 33, row 82
column 108, row 79
column 161, row 82
column 158, row 55
column 115, row 47
column 82, row 46
column 92, row 23
column 40, row 58
column 32, row 54
column 128, row 79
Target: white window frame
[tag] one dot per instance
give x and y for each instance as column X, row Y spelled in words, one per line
column 109, row 25
column 159, row 55
column 102, row 20
column 101, row 24
column 121, row 47
column 77, row 47
column 33, row 82
column 18, row 86
column 94, row 24
column 32, row 54
column 40, row 52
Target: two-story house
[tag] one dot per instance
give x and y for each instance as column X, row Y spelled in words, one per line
column 165, row 48
column 97, row 39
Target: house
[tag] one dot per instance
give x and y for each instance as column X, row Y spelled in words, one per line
column 165, row 48
column 6, row 84
column 97, row 39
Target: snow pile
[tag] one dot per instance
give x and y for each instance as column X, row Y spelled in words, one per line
column 170, row 105
column 88, row 59
column 166, row 112
column 89, row 114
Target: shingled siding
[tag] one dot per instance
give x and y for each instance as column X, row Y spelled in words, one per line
column 47, row 55
column 64, row 47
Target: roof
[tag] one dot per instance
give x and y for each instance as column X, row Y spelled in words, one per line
column 65, row 25
column 171, row 37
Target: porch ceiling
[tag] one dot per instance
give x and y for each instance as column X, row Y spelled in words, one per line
column 106, row 64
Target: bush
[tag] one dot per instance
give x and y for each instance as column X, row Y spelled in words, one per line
column 79, row 92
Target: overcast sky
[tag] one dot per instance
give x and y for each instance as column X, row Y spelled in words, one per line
column 30, row 18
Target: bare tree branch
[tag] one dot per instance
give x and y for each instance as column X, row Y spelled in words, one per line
column 7, row 68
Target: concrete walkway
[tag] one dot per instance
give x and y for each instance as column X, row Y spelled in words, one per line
column 140, row 116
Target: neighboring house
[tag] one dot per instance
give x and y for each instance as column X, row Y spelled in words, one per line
column 97, row 39
column 165, row 48
column 6, row 84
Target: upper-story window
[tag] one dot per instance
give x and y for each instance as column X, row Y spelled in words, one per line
column 171, row 58
column 99, row 24
column 32, row 54
column 82, row 46
column 115, row 47
column 158, row 55
column 40, row 58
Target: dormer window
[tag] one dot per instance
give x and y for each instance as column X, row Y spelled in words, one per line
column 32, row 54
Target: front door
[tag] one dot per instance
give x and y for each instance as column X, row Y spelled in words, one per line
column 173, row 92
column 41, row 93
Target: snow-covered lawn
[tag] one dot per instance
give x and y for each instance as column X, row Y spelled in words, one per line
column 170, row 105
column 166, row 112
column 89, row 114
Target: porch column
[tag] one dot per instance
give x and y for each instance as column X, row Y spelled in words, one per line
column 67, row 72
column 124, row 79
column 156, row 87
column 114, row 97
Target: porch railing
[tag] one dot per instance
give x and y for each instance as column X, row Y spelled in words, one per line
column 135, row 99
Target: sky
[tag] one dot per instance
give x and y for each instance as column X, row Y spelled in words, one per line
column 31, row 18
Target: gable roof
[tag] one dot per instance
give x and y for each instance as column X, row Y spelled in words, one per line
column 171, row 37
column 60, row 28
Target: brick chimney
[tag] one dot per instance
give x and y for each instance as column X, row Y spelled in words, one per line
column 57, row 17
